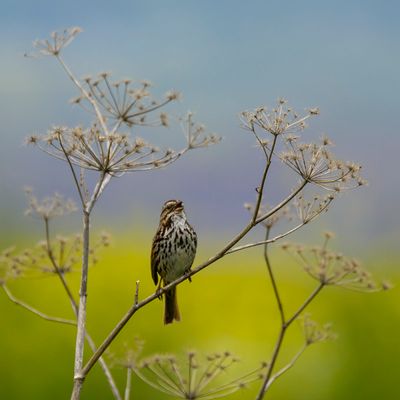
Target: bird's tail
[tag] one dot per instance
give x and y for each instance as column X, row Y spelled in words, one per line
column 171, row 311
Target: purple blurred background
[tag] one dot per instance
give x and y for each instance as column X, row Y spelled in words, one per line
column 224, row 57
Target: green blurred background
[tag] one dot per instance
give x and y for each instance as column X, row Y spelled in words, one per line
column 225, row 57
column 227, row 307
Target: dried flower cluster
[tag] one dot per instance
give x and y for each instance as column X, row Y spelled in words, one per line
column 283, row 213
column 313, row 162
column 49, row 207
column 102, row 147
column 67, row 252
column 131, row 354
column 332, row 268
column 314, row 332
column 123, row 103
column 195, row 380
column 57, row 42
column 116, row 153
column 280, row 120
column 316, row 164
column 307, row 209
column 8, row 267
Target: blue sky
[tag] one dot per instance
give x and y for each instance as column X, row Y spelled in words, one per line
column 225, row 56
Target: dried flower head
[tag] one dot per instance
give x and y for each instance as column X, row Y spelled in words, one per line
column 308, row 209
column 282, row 213
column 57, row 41
column 331, row 268
column 165, row 374
column 124, row 101
column 61, row 255
column 116, row 153
column 130, row 354
column 8, row 268
column 49, row 207
column 316, row 164
column 280, row 120
column 114, row 103
column 195, row 133
column 314, row 332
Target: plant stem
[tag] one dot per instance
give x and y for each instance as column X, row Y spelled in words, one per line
column 287, row 366
column 57, row 269
column 282, row 203
column 72, row 171
column 284, row 326
column 266, row 241
column 90, row 99
column 272, row 278
column 33, row 310
column 74, row 306
column 80, row 334
column 263, row 179
column 282, row 316
column 271, row 366
column 309, row 299
column 128, row 383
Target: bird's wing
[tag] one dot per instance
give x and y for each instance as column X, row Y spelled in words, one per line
column 154, row 262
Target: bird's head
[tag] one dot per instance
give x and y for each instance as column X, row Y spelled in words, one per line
column 170, row 208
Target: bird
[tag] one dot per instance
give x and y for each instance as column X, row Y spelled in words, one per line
column 172, row 254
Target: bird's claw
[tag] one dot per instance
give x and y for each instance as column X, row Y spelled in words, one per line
column 189, row 278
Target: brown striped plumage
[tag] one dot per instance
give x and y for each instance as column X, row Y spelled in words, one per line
column 172, row 253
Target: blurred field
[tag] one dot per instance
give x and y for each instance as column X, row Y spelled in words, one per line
column 229, row 306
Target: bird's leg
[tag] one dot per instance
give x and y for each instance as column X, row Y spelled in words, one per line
column 188, row 272
column 158, row 290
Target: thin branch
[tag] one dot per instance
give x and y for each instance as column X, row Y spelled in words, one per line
column 282, row 235
column 137, row 293
column 266, row 241
column 287, row 366
column 275, row 354
column 34, row 310
column 157, row 387
column 80, row 335
column 148, row 110
column 85, row 94
column 73, row 171
column 164, row 378
column 309, row 299
column 272, row 278
column 283, row 328
column 98, row 190
column 283, row 202
column 177, row 373
column 264, row 177
column 52, row 259
column 104, row 367
column 128, row 383
column 281, row 336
